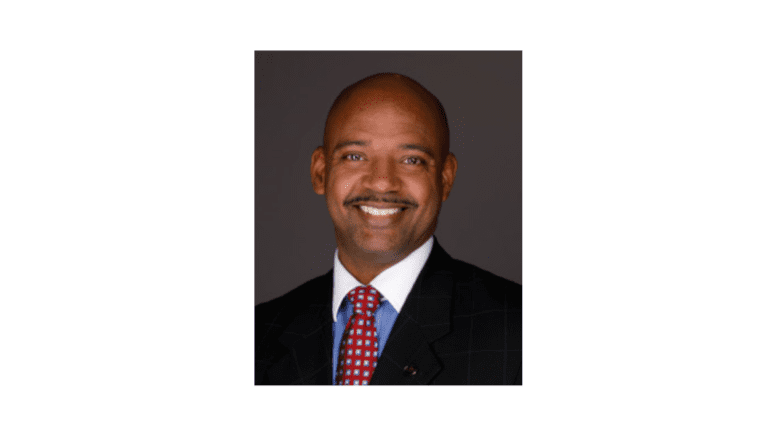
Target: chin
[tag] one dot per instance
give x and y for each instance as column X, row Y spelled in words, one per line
column 382, row 249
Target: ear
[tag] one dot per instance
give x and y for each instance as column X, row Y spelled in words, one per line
column 448, row 174
column 318, row 170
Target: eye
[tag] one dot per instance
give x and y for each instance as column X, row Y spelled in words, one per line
column 414, row 160
column 352, row 157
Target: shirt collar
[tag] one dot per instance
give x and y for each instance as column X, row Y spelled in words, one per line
column 394, row 283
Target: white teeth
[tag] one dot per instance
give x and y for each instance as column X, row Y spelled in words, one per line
column 378, row 211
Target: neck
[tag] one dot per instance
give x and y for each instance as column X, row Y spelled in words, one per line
column 365, row 269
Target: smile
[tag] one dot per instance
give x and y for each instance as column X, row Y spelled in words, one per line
column 379, row 211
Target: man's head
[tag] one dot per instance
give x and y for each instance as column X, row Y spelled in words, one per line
column 384, row 168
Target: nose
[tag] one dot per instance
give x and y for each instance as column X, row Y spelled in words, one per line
column 383, row 178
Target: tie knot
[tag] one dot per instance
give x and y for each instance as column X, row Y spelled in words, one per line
column 365, row 300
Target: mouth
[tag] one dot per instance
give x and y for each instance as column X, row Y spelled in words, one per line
column 380, row 212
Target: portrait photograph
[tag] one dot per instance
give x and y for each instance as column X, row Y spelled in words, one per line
column 393, row 176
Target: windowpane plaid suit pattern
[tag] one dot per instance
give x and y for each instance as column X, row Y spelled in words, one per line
column 459, row 325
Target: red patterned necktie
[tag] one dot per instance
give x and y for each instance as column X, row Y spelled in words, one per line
column 359, row 347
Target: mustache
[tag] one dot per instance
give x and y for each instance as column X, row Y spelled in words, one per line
column 376, row 198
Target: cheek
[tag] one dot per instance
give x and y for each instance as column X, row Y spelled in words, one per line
column 424, row 190
column 341, row 184
column 345, row 179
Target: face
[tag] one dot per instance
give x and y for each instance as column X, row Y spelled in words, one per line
column 383, row 175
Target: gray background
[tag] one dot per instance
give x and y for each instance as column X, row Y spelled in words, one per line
column 480, row 223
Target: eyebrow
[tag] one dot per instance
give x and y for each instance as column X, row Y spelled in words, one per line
column 408, row 146
column 342, row 144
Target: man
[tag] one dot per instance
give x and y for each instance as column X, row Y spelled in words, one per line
column 396, row 308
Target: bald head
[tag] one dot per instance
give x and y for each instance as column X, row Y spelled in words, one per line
column 395, row 90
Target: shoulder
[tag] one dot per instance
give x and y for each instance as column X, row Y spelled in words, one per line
column 311, row 300
column 474, row 287
column 484, row 287
column 287, row 306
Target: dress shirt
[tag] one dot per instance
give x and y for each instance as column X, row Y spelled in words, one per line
column 394, row 284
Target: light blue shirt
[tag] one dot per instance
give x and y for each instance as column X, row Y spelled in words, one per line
column 394, row 284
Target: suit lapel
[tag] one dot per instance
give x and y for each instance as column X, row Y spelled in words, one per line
column 308, row 343
column 409, row 357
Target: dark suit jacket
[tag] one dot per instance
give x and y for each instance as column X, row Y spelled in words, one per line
column 459, row 325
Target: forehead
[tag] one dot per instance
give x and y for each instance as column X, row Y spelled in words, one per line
column 381, row 113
